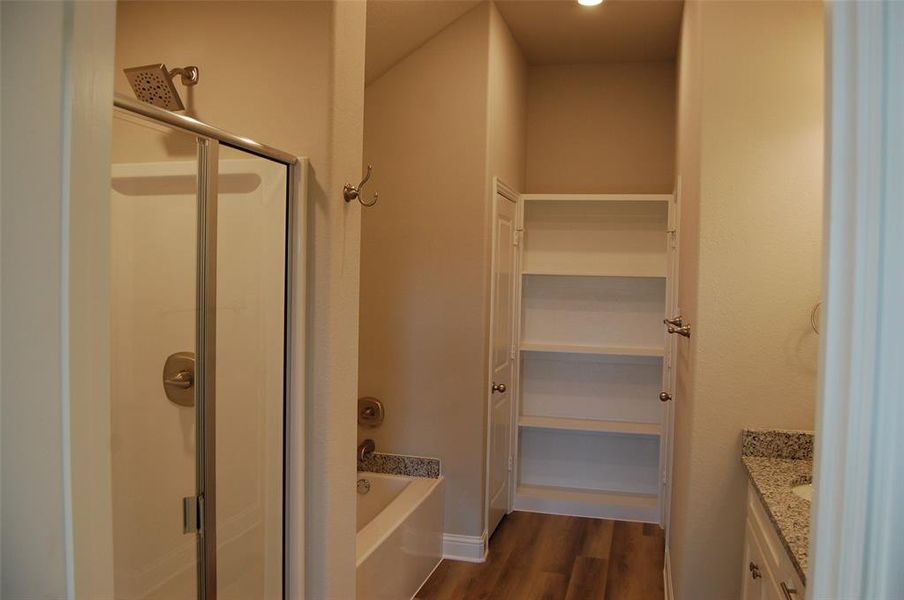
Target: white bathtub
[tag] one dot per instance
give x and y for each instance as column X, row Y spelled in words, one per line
column 400, row 535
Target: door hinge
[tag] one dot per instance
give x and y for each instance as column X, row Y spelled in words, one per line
column 192, row 514
column 514, row 352
column 510, row 463
column 516, row 237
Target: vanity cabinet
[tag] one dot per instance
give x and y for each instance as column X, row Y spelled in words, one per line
column 768, row 573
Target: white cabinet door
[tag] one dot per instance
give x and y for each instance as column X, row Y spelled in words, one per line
column 754, row 568
column 501, row 360
column 765, row 556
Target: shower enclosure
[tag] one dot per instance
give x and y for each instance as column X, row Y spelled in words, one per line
column 206, row 258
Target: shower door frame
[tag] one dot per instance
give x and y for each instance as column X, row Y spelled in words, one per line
column 209, row 140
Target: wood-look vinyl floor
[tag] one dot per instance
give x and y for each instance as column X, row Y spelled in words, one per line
column 548, row 557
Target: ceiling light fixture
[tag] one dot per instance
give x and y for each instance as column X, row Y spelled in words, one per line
column 590, row 2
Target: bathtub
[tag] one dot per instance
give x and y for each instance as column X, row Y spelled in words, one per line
column 400, row 535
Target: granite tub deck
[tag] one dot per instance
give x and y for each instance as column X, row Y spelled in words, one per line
column 776, row 461
column 400, row 464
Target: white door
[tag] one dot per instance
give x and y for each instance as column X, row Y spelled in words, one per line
column 501, row 361
column 670, row 369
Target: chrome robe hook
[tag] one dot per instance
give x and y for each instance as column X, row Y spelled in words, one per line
column 353, row 192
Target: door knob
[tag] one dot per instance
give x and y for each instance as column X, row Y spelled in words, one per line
column 499, row 387
column 684, row 330
column 677, row 325
column 665, row 396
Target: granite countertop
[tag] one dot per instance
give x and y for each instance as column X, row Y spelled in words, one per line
column 776, row 461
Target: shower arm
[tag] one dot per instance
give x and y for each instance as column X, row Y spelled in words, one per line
column 189, row 75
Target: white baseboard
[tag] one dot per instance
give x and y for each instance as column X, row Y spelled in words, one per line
column 469, row 548
column 667, row 576
column 641, row 508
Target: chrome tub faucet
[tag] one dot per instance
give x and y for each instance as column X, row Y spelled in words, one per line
column 366, row 450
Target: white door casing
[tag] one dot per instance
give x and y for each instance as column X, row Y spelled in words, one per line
column 501, row 360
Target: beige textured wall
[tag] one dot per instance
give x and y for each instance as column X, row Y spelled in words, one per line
column 333, row 324
column 244, row 52
column 507, row 104
column 751, row 168
column 423, row 253
column 687, row 170
column 290, row 74
column 601, row 128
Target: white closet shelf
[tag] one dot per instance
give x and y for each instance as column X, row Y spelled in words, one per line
column 567, row 273
column 592, row 425
column 603, row 350
column 597, row 197
column 597, row 504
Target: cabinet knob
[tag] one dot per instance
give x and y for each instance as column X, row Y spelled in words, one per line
column 754, row 570
column 665, row 396
column 499, row 387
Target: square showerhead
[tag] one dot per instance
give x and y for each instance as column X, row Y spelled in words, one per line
column 153, row 84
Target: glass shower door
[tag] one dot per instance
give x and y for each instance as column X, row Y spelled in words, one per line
column 199, row 320
column 250, row 348
column 154, row 290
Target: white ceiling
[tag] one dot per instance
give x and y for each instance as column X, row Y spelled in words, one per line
column 395, row 28
column 564, row 32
